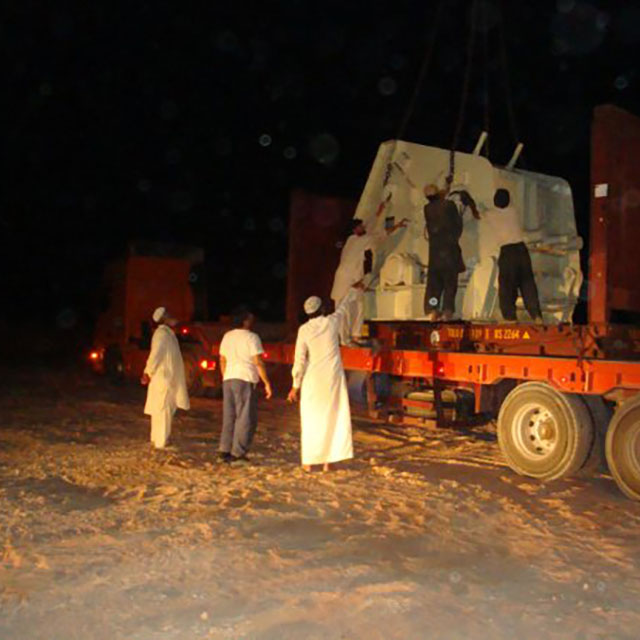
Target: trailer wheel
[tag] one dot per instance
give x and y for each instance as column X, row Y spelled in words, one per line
column 623, row 447
column 114, row 365
column 216, row 390
column 192, row 373
column 600, row 413
column 428, row 397
column 543, row 433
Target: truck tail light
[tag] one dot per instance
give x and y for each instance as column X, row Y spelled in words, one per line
column 207, row 365
column 94, row 355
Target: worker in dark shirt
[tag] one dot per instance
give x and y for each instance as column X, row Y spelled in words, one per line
column 443, row 225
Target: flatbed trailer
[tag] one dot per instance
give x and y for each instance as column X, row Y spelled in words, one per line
column 544, row 355
column 563, row 404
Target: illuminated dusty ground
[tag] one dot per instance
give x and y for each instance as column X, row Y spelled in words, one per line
column 424, row 535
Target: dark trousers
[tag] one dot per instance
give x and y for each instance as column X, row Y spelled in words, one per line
column 239, row 416
column 516, row 274
column 441, row 282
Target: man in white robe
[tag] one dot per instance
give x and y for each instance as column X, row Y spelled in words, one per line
column 318, row 375
column 164, row 373
column 350, row 271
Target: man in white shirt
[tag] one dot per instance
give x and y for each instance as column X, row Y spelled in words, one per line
column 350, row 271
column 242, row 368
column 514, row 262
column 164, row 373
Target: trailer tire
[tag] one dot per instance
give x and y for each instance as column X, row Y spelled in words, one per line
column 428, row 396
column 600, row 413
column 214, row 391
column 192, row 373
column 543, row 433
column 622, row 447
column 114, row 365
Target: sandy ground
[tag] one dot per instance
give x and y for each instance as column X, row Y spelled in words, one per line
column 425, row 535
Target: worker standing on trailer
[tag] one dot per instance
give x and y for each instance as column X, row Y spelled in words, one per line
column 514, row 263
column 443, row 225
column 164, row 373
column 350, row 271
column 318, row 375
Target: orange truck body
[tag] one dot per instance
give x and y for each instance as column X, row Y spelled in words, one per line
column 132, row 288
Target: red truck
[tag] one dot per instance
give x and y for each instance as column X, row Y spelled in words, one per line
column 148, row 276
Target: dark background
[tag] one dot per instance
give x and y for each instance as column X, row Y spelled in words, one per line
column 192, row 122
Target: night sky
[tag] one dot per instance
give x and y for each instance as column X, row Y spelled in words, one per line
column 192, row 122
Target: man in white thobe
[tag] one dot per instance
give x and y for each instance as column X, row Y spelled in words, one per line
column 350, row 272
column 318, row 375
column 164, row 373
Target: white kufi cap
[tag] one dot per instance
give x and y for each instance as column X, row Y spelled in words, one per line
column 312, row 304
column 158, row 314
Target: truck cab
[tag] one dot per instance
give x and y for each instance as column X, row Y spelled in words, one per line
column 149, row 276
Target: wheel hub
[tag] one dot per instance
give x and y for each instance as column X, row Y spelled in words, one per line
column 546, row 431
column 536, row 432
